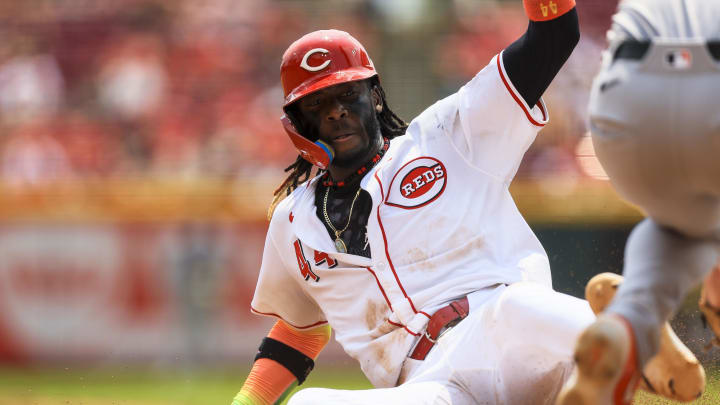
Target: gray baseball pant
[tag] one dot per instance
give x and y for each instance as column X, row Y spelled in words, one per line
column 655, row 124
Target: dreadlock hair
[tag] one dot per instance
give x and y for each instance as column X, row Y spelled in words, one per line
column 391, row 126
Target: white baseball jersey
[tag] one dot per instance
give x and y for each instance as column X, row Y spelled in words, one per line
column 443, row 225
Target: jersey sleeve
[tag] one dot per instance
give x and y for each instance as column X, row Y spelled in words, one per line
column 489, row 123
column 278, row 293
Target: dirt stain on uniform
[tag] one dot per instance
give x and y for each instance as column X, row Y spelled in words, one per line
column 415, row 255
column 463, row 244
column 436, row 253
column 384, row 348
column 381, row 357
column 477, row 243
column 374, row 314
column 404, row 372
column 383, row 329
column 386, row 337
column 376, row 319
column 420, row 260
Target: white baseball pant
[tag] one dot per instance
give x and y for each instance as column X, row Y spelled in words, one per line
column 514, row 349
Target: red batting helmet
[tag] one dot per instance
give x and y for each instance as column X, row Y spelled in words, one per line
column 317, row 60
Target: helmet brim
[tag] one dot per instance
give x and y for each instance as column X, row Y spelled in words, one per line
column 319, row 83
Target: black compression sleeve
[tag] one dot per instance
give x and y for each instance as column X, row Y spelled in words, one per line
column 297, row 363
column 535, row 58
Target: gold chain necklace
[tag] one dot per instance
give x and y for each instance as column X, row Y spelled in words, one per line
column 339, row 243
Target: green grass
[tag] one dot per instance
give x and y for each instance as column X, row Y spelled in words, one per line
column 128, row 386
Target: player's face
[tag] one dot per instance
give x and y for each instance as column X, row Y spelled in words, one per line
column 344, row 116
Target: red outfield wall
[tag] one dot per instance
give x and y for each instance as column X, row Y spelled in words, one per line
column 144, row 291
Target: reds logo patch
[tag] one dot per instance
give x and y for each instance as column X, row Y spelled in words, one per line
column 418, row 183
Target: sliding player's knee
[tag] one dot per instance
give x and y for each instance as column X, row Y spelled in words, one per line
column 307, row 396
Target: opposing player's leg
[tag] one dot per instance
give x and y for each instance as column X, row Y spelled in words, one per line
column 607, row 351
column 661, row 266
column 674, row 372
column 657, row 154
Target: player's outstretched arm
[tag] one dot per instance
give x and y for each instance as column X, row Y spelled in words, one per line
column 535, row 58
column 284, row 360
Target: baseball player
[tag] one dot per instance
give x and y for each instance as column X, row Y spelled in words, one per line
column 406, row 239
column 656, row 130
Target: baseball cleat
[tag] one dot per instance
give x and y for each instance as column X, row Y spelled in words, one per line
column 710, row 314
column 601, row 289
column 710, row 317
column 674, row 372
column 606, row 371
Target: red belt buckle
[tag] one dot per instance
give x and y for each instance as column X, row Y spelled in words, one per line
column 447, row 315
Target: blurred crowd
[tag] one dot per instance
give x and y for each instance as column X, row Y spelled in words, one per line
column 190, row 88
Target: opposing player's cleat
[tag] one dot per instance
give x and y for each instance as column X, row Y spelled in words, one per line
column 606, row 371
column 674, row 372
column 601, row 289
column 710, row 314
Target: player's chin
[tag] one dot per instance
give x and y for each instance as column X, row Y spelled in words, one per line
column 349, row 151
column 349, row 158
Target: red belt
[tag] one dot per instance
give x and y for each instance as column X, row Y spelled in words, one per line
column 445, row 317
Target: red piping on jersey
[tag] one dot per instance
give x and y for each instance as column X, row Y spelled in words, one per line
column 387, row 252
column 410, row 332
column 426, row 314
column 382, row 290
column 517, row 100
column 280, row 317
column 403, row 326
column 395, row 324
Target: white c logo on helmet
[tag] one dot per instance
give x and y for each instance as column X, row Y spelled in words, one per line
column 304, row 63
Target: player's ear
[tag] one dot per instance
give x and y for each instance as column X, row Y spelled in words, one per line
column 376, row 98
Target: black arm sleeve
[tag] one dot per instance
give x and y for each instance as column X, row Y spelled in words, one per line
column 535, row 58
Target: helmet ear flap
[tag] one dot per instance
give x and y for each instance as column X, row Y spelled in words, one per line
column 318, row 153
